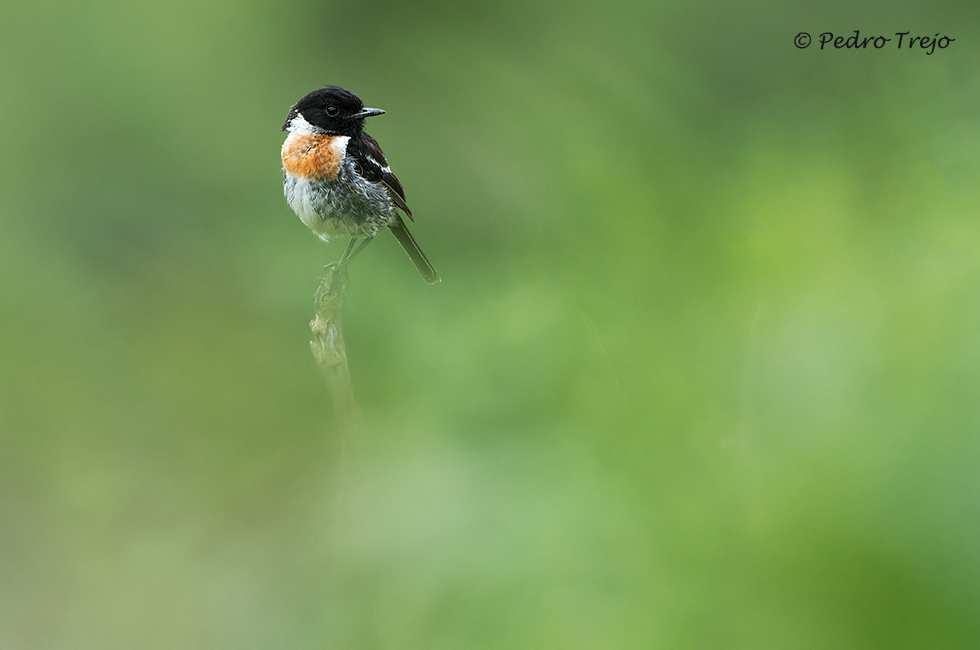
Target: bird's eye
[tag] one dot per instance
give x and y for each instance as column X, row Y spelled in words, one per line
column 332, row 111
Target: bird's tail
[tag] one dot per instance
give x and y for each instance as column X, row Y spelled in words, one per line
column 422, row 263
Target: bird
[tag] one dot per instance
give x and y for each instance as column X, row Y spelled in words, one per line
column 336, row 177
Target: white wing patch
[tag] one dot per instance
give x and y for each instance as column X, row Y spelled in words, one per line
column 385, row 168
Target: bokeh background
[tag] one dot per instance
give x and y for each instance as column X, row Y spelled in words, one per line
column 703, row 372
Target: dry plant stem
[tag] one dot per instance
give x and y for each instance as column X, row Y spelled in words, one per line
column 329, row 349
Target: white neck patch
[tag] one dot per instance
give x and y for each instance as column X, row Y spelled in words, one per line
column 300, row 126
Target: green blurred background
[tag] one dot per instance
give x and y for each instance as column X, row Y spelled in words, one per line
column 703, row 372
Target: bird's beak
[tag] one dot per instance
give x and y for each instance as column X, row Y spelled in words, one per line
column 368, row 112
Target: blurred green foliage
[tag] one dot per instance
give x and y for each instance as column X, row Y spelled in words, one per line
column 704, row 370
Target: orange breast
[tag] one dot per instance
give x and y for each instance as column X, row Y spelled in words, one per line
column 312, row 156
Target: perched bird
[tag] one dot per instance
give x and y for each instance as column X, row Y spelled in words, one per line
column 336, row 177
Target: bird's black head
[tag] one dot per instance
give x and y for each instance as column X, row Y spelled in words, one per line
column 331, row 109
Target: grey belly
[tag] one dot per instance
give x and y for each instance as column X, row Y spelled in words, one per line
column 339, row 209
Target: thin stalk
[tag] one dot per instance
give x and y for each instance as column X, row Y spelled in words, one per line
column 329, row 349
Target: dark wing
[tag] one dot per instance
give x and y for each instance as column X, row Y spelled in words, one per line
column 371, row 159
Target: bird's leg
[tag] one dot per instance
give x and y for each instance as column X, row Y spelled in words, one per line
column 349, row 256
column 350, row 247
